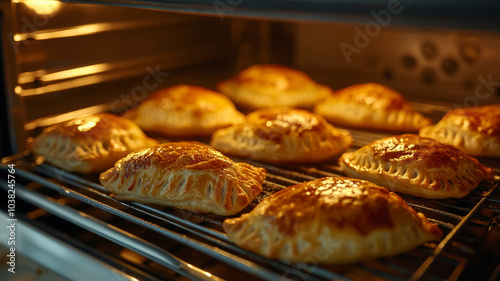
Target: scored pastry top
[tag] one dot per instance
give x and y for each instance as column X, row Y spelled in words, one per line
column 186, row 175
column 339, row 219
column 418, row 166
column 271, row 85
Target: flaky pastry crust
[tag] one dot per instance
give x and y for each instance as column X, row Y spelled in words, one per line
column 283, row 135
column 331, row 221
column 371, row 106
column 185, row 175
column 417, row 166
column 474, row 130
column 89, row 144
column 271, row 85
column 185, row 111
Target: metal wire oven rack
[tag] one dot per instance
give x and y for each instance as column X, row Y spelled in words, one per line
column 203, row 233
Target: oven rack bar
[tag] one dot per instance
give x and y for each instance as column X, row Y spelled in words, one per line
column 113, row 234
column 208, row 234
column 219, row 238
column 216, row 253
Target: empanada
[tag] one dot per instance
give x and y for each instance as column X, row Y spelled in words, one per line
column 417, row 166
column 185, row 111
column 271, row 85
column 474, row 130
column 89, row 144
column 371, row 106
column 283, row 135
column 333, row 220
column 185, row 175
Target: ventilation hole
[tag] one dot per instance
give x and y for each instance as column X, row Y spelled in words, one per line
column 429, row 50
column 387, row 73
column 469, row 53
column 449, row 66
column 409, row 62
column 428, row 76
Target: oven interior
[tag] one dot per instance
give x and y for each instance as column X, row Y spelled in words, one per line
column 65, row 59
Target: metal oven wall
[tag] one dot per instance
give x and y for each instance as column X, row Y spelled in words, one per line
column 82, row 58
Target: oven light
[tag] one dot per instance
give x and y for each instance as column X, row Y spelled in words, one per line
column 41, row 7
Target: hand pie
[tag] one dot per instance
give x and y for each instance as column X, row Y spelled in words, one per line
column 270, row 85
column 282, row 135
column 331, row 221
column 417, row 166
column 185, row 111
column 89, row 144
column 371, row 106
column 185, row 175
column 474, row 130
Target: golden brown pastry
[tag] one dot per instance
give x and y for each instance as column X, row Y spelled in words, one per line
column 89, row 144
column 271, row 85
column 283, row 135
column 371, row 106
column 332, row 220
column 185, row 175
column 417, row 166
column 185, row 111
column 474, row 130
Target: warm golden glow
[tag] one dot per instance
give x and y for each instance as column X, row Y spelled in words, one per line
column 18, row 89
column 42, row 7
column 48, row 121
column 30, row 76
column 88, row 126
column 280, row 82
column 18, row 38
column 76, row 72
column 75, row 31
column 78, row 82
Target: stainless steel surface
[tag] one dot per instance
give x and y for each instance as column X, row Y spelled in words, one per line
column 62, row 262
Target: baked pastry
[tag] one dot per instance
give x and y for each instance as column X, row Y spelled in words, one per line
column 185, row 175
column 417, row 166
column 371, row 106
column 333, row 220
column 282, row 135
column 271, row 85
column 89, row 144
column 185, row 111
column 475, row 130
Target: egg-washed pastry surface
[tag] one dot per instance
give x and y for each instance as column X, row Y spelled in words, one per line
column 185, row 111
column 333, row 220
column 371, row 106
column 271, row 85
column 474, row 130
column 89, row 144
column 282, row 135
column 417, row 166
column 186, row 175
